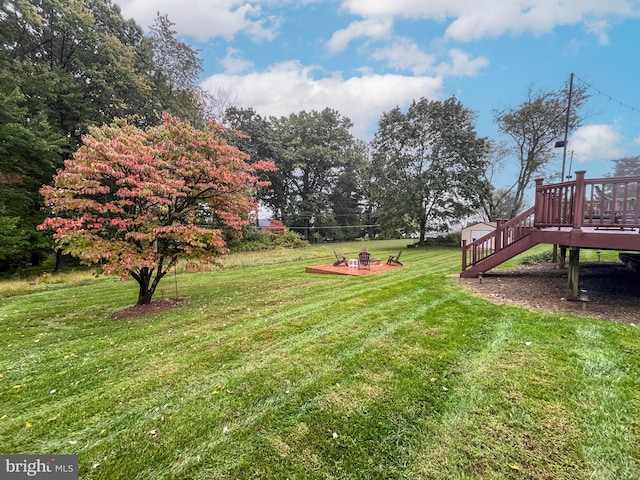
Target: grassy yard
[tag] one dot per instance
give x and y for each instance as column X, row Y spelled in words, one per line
column 265, row 371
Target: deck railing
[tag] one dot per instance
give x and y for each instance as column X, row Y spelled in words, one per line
column 507, row 232
column 601, row 202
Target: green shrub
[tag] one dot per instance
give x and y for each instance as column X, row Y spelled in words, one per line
column 447, row 240
column 541, row 257
column 259, row 240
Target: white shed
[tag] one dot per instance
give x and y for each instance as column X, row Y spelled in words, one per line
column 474, row 232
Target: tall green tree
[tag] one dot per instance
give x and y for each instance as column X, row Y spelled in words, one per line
column 175, row 72
column 626, row 167
column 29, row 151
column 428, row 166
column 347, row 200
column 65, row 66
column 256, row 136
column 498, row 202
column 534, row 127
column 314, row 150
column 85, row 61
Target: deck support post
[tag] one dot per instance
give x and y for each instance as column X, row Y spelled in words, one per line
column 464, row 255
column 574, row 271
column 563, row 256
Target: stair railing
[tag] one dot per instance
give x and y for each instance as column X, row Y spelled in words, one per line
column 506, row 233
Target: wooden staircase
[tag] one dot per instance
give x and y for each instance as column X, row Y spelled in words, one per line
column 602, row 213
column 510, row 238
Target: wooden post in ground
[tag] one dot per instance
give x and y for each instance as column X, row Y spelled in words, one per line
column 574, row 273
column 563, row 256
column 578, row 212
column 574, row 252
column 464, row 255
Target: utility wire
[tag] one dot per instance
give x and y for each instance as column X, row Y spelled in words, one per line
column 637, row 110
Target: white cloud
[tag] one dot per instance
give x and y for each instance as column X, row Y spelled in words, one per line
column 290, row 87
column 404, row 54
column 461, row 65
column 636, row 141
column 492, row 18
column 597, row 142
column 600, row 29
column 205, row 19
column 371, row 28
column 233, row 63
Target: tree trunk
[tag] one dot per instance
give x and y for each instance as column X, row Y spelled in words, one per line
column 144, row 297
column 423, row 232
column 59, row 261
column 35, row 259
column 145, row 291
column 147, row 284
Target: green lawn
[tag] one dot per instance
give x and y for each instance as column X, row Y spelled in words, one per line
column 268, row 372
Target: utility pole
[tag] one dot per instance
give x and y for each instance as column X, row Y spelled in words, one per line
column 566, row 128
column 563, row 250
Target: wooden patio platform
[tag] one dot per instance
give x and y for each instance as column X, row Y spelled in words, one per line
column 345, row 270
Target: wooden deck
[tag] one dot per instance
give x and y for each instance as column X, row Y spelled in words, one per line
column 598, row 214
column 345, row 270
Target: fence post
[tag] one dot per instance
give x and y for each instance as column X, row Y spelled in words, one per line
column 537, row 214
column 497, row 238
column 578, row 206
column 464, row 255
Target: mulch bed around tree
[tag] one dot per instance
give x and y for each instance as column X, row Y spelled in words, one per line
column 139, row 311
column 612, row 289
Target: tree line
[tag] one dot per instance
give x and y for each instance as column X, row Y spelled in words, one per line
column 64, row 67
column 67, row 67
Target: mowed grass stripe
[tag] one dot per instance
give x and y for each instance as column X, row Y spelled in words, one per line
column 491, row 428
column 606, row 405
column 284, row 360
column 111, row 352
column 296, row 391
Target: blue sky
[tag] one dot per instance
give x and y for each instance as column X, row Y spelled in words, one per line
column 364, row 57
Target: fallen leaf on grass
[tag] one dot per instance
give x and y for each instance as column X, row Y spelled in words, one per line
column 514, row 467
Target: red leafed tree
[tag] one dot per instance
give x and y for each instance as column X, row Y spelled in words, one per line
column 135, row 201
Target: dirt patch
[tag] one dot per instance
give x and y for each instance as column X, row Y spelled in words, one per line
column 612, row 289
column 139, row 311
